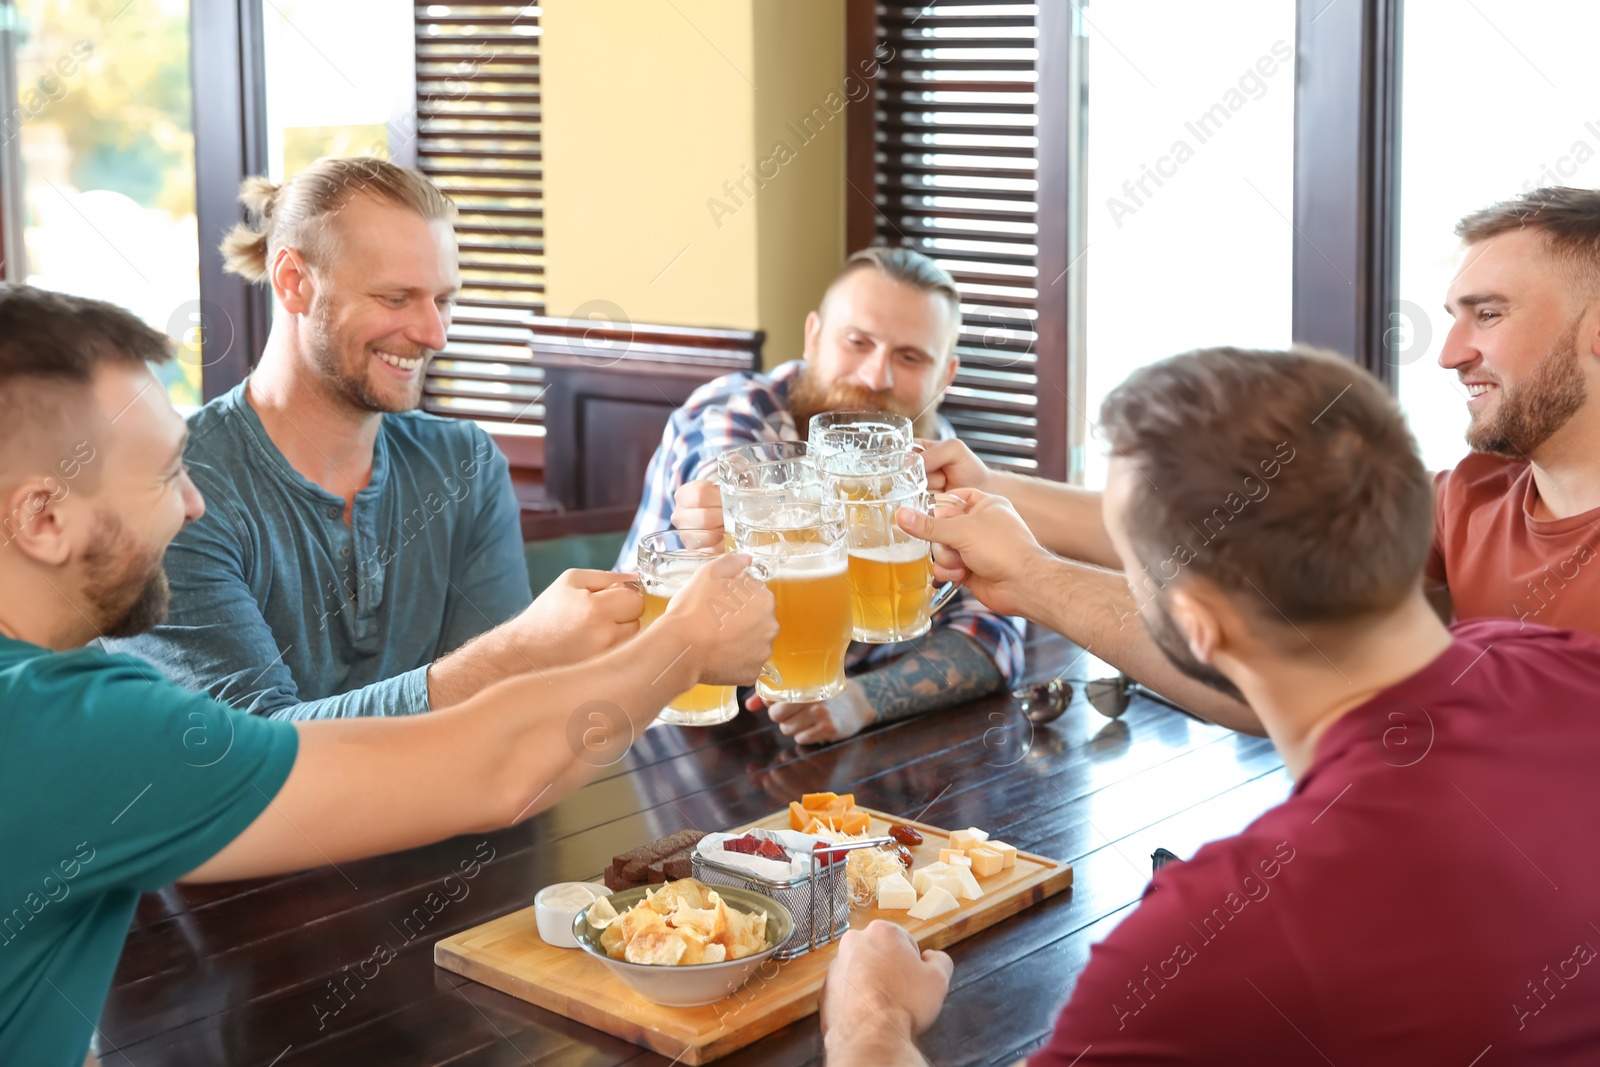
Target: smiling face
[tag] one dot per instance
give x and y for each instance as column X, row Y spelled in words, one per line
column 1524, row 344
column 380, row 305
column 879, row 344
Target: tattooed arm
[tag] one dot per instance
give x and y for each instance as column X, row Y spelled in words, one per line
column 943, row 669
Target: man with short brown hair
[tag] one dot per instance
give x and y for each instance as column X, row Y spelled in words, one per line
column 359, row 557
column 114, row 782
column 1325, row 930
column 1518, row 521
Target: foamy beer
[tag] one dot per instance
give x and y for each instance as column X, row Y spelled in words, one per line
column 780, row 512
column 667, row 561
column 891, row 572
column 857, row 431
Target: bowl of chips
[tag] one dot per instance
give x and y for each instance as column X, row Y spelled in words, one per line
column 683, row 944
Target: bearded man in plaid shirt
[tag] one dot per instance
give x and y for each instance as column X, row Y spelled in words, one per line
column 884, row 338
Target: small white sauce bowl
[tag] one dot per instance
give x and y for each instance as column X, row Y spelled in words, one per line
column 555, row 919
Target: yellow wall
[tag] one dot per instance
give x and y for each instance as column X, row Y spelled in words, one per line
column 655, row 115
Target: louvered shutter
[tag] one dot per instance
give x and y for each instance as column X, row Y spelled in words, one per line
column 478, row 137
column 956, row 177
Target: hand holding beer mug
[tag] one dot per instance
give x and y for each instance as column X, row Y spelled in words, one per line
column 891, row 572
column 781, row 514
column 667, row 562
column 982, row 543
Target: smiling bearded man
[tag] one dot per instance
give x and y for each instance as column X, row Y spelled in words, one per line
column 359, row 557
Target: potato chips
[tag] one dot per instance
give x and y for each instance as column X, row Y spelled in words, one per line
column 682, row 923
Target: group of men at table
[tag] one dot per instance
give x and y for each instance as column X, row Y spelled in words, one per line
column 230, row 646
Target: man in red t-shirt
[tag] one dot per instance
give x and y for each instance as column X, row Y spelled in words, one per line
column 1425, row 894
column 1518, row 520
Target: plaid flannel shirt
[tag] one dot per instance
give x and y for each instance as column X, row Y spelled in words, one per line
column 746, row 408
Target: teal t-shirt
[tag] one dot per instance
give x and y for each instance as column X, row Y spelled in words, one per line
column 113, row 782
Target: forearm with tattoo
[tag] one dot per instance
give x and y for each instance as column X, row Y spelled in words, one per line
column 943, row 669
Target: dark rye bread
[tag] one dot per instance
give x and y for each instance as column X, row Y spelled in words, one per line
column 647, row 863
column 678, row 865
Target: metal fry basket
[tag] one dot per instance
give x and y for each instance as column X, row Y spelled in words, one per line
column 819, row 902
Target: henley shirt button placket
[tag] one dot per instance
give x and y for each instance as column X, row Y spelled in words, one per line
column 345, row 552
column 335, row 512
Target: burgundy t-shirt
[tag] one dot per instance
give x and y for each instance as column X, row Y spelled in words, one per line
column 1428, row 894
column 1500, row 561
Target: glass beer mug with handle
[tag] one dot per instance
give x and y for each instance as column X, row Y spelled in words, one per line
column 891, row 572
column 667, row 560
column 780, row 513
column 857, row 431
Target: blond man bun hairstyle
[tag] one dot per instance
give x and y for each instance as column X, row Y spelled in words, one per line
column 296, row 213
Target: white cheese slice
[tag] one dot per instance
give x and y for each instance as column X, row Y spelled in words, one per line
column 967, row 887
column 920, row 876
column 934, row 902
column 895, row 893
column 978, row 835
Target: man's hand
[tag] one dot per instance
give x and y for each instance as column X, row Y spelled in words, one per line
column 582, row 614
column 987, row 548
column 725, row 616
column 881, row 992
column 697, row 506
column 952, row 465
column 821, row 721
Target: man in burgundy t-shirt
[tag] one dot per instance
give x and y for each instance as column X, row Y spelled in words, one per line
column 1426, row 894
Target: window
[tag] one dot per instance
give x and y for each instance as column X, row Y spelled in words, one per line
column 1189, row 185
column 955, row 176
column 105, row 199
column 1494, row 105
column 478, row 136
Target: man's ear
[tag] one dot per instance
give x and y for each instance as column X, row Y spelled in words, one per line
column 1197, row 618
column 950, row 372
column 33, row 521
column 291, row 281
column 813, row 332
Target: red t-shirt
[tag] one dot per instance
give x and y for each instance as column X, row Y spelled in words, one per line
column 1428, row 892
column 1501, row 562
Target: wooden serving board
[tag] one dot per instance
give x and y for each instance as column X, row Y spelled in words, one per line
column 508, row 954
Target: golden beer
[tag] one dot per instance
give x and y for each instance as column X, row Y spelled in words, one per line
column 891, row 590
column 811, row 594
column 704, row 705
column 667, row 560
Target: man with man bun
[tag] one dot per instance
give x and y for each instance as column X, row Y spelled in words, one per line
column 358, row 556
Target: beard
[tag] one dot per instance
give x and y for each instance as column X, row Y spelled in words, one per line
column 353, row 384
column 126, row 587
column 1532, row 411
column 808, row 397
column 1170, row 640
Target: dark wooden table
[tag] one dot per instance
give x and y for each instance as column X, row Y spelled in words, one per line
column 336, row 966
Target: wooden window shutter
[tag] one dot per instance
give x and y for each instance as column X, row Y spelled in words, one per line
column 478, row 137
column 948, row 157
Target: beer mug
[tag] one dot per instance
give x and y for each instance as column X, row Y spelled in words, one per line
column 667, row 560
column 858, row 431
column 782, row 515
column 891, row 572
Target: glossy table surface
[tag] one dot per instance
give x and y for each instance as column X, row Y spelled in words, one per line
column 334, row 966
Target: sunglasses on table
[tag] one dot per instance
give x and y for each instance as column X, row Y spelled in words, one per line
column 1045, row 701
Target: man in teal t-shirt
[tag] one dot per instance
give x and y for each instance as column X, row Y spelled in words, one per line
column 114, row 781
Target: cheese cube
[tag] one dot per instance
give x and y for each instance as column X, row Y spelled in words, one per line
column 978, row 835
column 955, row 857
column 934, row 902
column 1007, row 852
column 961, row 861
column 962, row 840
column 920, row 876
column 986, row 861
column 895, row 893
column 967, row 887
